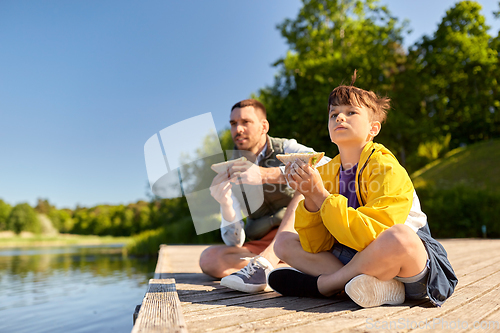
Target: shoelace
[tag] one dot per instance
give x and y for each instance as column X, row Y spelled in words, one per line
column 250, row 268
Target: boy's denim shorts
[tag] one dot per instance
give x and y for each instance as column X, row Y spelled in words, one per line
column 415, row 286
column 343, row 253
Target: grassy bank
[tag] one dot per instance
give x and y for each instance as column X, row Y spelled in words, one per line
column 474, row 166
column 460, row 192
column 27, row 239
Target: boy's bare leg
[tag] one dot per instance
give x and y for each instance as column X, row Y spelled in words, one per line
column 287, row 224
column 398, row 251
column 288, row 248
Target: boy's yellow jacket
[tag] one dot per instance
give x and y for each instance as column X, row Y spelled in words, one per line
column 385, row 194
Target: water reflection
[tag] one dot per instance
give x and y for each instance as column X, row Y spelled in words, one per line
column 70, row 289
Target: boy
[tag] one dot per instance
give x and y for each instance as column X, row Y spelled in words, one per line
column 360, row 225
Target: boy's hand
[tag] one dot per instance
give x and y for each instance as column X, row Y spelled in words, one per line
column 307, row 181
column 303, row 178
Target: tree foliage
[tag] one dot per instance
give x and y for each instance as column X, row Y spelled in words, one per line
column 444, row 93
column 23, row 218
column 444, row 89
column 455, row 80
column 5, row 210
column 328, row 40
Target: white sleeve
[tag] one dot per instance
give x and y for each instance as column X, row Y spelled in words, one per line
column 232, row 232
column 416, row 219
column 237, row 211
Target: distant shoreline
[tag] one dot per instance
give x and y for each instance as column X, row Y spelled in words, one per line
column 8, row 240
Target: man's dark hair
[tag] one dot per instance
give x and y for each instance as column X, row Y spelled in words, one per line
column 251, row 102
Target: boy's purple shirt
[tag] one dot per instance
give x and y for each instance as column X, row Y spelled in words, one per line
column 347, row 186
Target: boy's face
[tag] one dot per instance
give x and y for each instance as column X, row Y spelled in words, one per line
column 351, row 125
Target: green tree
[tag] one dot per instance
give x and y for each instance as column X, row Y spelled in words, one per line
column 328, row 40
column 23, row 218
column 81, row 221
column 495, row 89
column 226, row 141
column 44, row 207
column 58, row 219
column 61, row 219
column 456, row 80
column 5, row 210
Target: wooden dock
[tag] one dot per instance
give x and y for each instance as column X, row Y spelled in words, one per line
column 182, row 299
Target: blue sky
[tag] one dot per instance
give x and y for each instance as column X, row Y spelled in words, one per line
column 84, row 84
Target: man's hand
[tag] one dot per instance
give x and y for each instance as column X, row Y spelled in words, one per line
column 245, row 172
column 307, row 181
column 220, row 189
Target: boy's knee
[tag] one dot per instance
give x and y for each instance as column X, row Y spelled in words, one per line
column 279, row 245
column 401, row 239
column 284, row 241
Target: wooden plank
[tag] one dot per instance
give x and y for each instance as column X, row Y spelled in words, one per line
column 136, row 313
column 473, row 265
column 208, row 306
column 491, row 322
column 477, row 311
column 294, row 317
column 160, row 310
column 222, row 302
column 469, row 254
column 246, row 313
column 297, row 320
column 313, row 318
column 163, row 266
column 185, row 258
column 459, row 302
column 216, row 294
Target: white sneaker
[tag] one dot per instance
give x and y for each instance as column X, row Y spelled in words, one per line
column 250, row 279
column 368, row 291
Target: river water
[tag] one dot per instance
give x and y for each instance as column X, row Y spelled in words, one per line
column 70, row 289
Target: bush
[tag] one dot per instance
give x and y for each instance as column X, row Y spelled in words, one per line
column 23, row 218
column 61, row 219
column 5, row 210
column 146, row 243
column 461, row 211
column 180, row 232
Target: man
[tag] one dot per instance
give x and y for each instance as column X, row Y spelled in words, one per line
column 244, row 266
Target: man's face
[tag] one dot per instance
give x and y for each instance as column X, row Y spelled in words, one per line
column 247, row 128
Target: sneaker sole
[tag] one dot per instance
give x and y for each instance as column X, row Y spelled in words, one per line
column 368, row 291
column 235, row 283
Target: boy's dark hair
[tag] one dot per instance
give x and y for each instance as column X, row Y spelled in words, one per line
column 351, row 95
column 251, row 102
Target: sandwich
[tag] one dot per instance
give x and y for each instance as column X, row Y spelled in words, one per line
column 310, row 158
column 224, row 166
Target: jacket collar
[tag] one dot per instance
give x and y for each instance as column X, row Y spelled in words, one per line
column 365, row 155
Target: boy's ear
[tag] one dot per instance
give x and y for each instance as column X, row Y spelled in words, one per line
column 375, row 129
